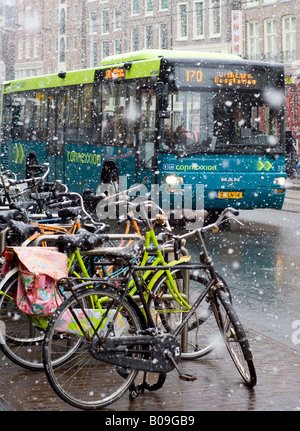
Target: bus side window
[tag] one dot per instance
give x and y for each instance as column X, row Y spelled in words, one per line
column 61, row 118
column 72, row 114
column 17, row 118
column 12, row 126
column 51, row 110
column 146, row 133
column 86, row 107
column 40, row 114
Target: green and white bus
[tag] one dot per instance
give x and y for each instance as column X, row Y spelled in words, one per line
column 179, row 117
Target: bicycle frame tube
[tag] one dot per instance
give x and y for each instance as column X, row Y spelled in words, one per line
column 166, row 268
column 150, row 237
column 76, row 254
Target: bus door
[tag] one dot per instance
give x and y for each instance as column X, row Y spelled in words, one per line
column 146, row 154
column 56, row 132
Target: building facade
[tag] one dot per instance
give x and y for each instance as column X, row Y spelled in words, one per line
column 271, row 35
column 72, row 34
column 7, row 39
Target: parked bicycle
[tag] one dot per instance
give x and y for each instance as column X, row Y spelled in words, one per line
column 104, row 337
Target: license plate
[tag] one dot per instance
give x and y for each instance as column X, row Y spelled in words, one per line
column 230, row 195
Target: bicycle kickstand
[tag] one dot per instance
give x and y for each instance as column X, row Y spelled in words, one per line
column 186, row 377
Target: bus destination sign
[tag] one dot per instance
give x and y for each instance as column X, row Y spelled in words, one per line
column 212, row 77
column 115, row 73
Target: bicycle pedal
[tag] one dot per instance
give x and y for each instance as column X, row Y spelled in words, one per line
column 186, row 377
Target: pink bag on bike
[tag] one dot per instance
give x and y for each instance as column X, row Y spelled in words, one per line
column 39, row 270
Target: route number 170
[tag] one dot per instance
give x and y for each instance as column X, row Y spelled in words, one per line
column 193, row 75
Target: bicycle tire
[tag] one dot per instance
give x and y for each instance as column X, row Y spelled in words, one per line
column 84, row 381
column 201, row 333
column 234, row 336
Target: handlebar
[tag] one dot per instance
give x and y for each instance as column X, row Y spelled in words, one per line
column 125, row 192
column 214, row 227
column 32, row 181
column 8, row 172
column 76, row 196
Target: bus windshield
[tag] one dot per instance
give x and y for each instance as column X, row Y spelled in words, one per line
column 223, row 122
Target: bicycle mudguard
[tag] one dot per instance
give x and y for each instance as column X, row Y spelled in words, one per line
column 152, row 350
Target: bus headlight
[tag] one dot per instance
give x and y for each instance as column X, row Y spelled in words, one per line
column 172, row 180
column 279, row 181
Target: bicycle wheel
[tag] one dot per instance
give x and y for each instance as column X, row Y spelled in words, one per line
column 83, row 380
column 201, row 333
column 234, row 336
column 23, row 340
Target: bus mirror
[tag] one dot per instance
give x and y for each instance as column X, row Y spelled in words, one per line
column 162, row 100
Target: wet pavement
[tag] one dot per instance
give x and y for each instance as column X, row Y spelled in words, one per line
column 218, row 387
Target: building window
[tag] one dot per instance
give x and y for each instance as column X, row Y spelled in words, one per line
column 105, row 49
column 135, row 7
column 94, row 54
column 182, row 21
column 164, row 4
column 253, row 40
column 149, row 37
column 28, row 47
column 20, row 48
column 215, row 18
column 62, row 26
column 198, row 19
column 135, row 38
column 289, row 39
column 118, row 46
column 149, row 6
column 62, row 50
column 93, row 23
column 105, row 21
column 36, row 46
column 270, row 26
column 163, row 36
column 118, row 18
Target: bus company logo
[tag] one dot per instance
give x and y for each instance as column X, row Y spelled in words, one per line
column 86, row 158
column 192, row 167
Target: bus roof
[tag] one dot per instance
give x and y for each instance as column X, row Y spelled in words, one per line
column 150, row 59
column 82, row 76
column 151, row 54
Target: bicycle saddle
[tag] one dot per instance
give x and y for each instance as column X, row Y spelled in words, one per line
column 82, row 239
column 127, row 253
column 20, row 231
column 6, row 216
